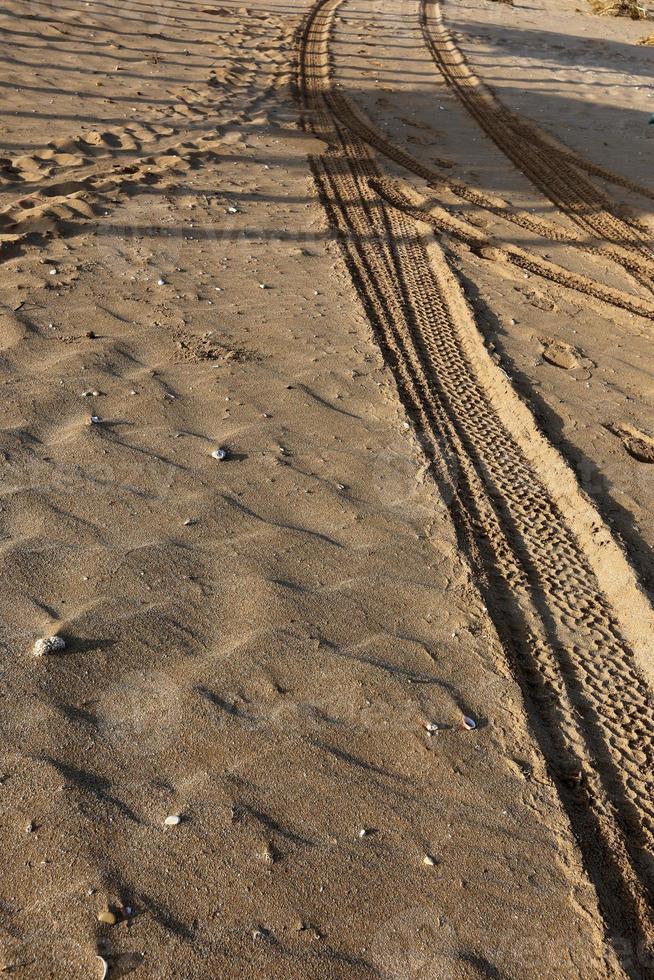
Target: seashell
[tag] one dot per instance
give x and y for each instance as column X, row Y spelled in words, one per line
column 219, row 453
column 90, row 394
column 469, row 723
column 53, row 272
column 161, row 282
column 362, row 832
column 109, row 918
column 50, row 644
column 95, row 420
column 232, row 210
column 429, row 861
column 105, row 967
column 172, row 820
column 431, row 727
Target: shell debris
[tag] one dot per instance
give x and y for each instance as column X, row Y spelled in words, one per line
column 47, row 645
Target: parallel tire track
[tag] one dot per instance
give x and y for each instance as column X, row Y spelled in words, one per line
column 553, row 170
column 588, row 702
column 487, row 247
column 352, row 116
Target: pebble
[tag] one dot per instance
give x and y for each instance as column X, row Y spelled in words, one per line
column 95, row 420
column 161, row 282
column 50, row 644
column 107, row 917
column 172, row 820
column 90, row 394
column 362, row 832
column 219, row 454
column 53, row 272
column 431, row 727
column 429, row 861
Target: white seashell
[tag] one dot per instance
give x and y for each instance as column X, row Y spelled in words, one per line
column 362, row 832
column 105, row 967
column 172, row 820
column 90, row 394
column 219, row 454
column 161, row 282
column 428, row 860
column 53, row 272
column 469, row 723
column 95, row 420
column 50, row 644
column 431, row 727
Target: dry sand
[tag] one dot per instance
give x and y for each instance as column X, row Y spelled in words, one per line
column 431, row 509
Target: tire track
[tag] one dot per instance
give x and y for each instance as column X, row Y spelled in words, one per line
column 581, row 680
column 485, row 245
column 641, row 270
column 552, row 170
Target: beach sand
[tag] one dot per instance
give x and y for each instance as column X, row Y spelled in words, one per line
column 387, row 659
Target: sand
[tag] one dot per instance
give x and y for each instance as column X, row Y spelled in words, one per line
column 389, row 660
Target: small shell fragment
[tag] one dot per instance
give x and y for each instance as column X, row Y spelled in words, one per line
column 105, row 967
column 47, row 645
column 219, row 453
column 172, row 820
column 362, row 832
column 108, row 917
column 161, row 282
column 429, row 861
column 95, row 420
column 431, row 727
column 469, row 723
column 91, row 393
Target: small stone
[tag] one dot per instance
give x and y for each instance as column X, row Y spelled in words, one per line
column 53, row 272
column 95, row 420
column 219, row 454
column 190, row 521
column 429, row 861
column 107, row 917
column 90, row 394
column 431, row 727
column 161, row 282
column 172, row 820
column 31, row 827
column 90, row 334
column 362, row 832
column 50, row 644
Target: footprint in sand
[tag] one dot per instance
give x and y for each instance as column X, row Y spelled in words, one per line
column 559, row 353
column 637, row 443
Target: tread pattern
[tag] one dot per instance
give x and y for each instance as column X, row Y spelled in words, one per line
column 554, row 170
column 484, row 245
column 588, row 702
